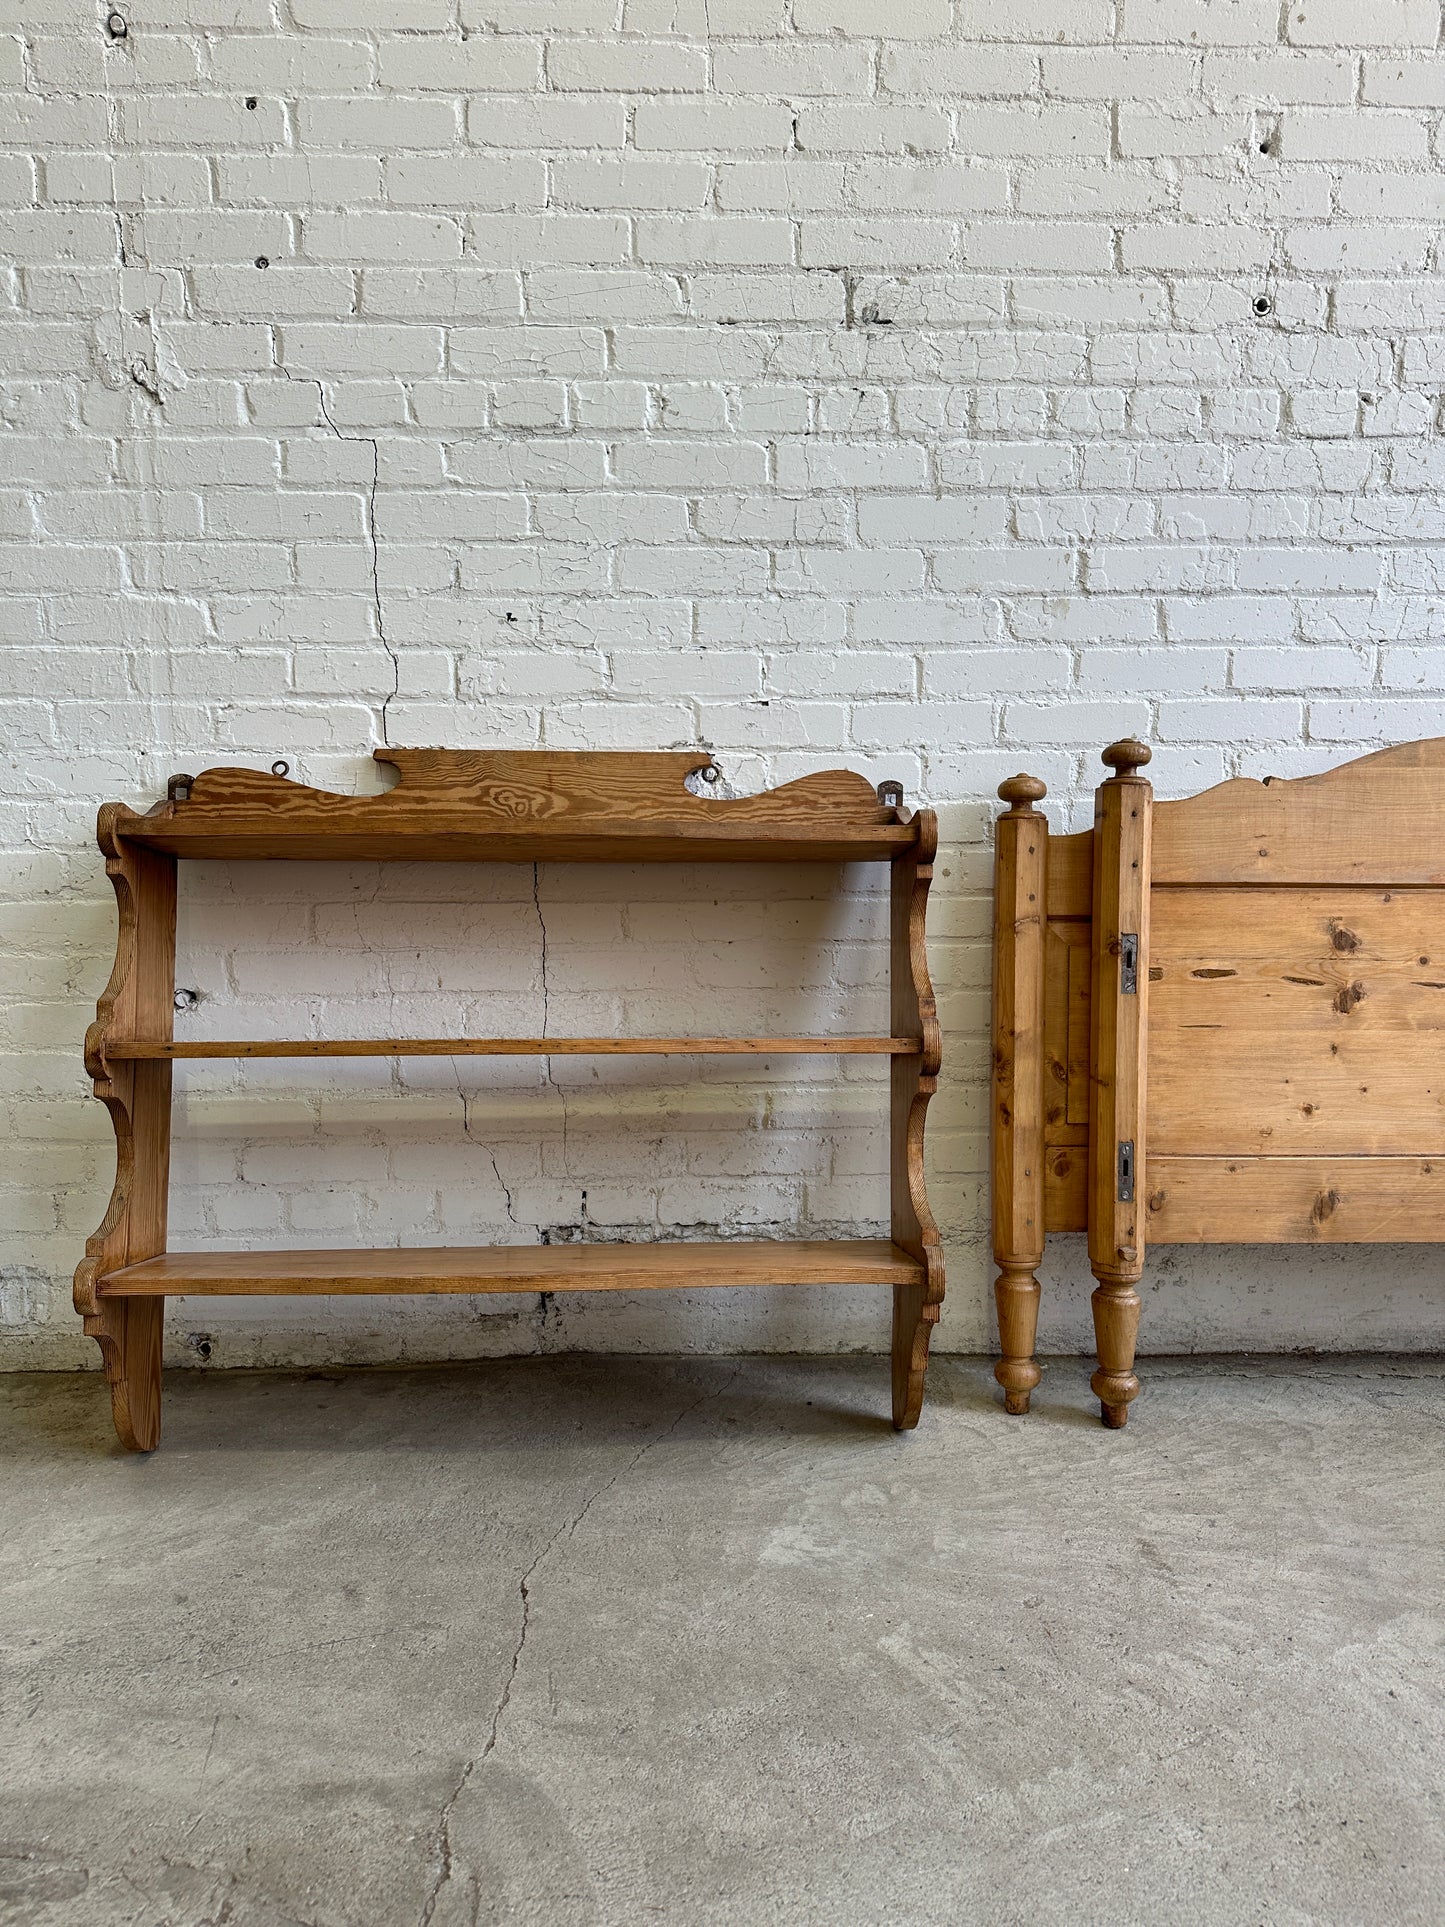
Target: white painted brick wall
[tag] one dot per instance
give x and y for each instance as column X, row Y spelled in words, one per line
column 820, row 381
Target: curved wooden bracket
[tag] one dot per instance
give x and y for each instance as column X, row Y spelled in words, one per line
column 916, row 1307
column 137, row 1001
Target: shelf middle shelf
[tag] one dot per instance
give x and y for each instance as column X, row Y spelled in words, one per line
column 121, row 1051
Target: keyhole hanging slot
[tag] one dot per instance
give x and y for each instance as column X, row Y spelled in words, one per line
column 1129, row 964
column 1126, row 1171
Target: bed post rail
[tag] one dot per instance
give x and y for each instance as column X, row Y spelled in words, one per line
column 1020, row 875
column 1119, row 1032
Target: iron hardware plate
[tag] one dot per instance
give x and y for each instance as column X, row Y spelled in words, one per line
column 1126, row 1171
column 1129, row 964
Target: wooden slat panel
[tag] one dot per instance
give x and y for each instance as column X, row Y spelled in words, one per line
column 1080, row 1005
column 1066, row 1188
column 1287, row 1200
column 1336, row 997
column 1380, row 819
column 1297, row 1021
column 1068, row 968
column 1071, row 875
column 484, row 1268
column 1056, row 1024
column 1332, row 961
column 1219, row 1093
column 1344, row 924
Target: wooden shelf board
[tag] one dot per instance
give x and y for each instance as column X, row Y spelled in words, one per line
column 121, row 1052
column 528, row 806
column 461, row 841
column 496, row 1268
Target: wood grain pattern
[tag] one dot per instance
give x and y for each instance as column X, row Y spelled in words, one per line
column 1056, row 1005
column 1376, row 820
column 1338, row 924
column 1081, row 1026
column 523, row 1268
column 123, row 1050
column 1297, row 1200
column 1119, row 1031
column 913, row 1082
column 1305, row 1094
column 1312, row 996
column 528, row 806
column 1071, row 877
column 139, row 996
column 1068, row 995
column 1020, row 1075
column 1333, row 996
column 1066, row 1187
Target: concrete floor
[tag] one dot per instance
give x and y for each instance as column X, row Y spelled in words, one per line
column 625, row 1640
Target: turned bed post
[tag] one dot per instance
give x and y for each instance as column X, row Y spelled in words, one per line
column 913, row 1080
column 1020, row 874
column 138, row 1002
column 1118, row 1037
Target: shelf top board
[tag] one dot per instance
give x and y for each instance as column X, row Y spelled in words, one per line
column 523, row 806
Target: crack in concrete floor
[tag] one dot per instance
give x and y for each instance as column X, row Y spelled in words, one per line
column 568, row 1530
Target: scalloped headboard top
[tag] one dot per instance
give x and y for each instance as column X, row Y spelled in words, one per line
column 1378, row 820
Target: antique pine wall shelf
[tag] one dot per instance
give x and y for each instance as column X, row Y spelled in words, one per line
column 490, row 806
column 1216, row 1021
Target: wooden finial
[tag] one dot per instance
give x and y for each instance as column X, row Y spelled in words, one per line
column 1128, row 756
column 1021, row 793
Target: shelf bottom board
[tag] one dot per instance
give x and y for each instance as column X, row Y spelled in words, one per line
column 483, row 1268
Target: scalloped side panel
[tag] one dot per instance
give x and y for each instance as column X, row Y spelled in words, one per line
column 128, row 1332
column 917, row 1191
column 916, row 1308
column 914, row 1316
column 932, row 1031
column 116, row 1097
column 100, row 1253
